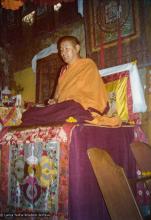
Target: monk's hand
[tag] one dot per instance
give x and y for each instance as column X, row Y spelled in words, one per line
column 51, row 101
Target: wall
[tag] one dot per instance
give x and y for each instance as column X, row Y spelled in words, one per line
column 146, row 116
column 75, row 29
column 26, row 79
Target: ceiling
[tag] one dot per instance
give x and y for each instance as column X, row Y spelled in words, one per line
column 16, row 4
column 45, row 19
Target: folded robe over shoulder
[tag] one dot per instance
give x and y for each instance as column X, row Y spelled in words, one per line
column 82, row 83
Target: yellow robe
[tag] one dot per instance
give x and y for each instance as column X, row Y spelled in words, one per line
column 82, row 83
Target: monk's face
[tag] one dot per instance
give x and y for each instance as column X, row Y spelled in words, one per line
column 69, row 52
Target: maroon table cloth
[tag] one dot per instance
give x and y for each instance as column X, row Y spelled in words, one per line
column 85, row 198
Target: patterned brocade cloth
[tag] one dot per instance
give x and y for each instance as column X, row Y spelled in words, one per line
column 35, row 172
column 10, row 116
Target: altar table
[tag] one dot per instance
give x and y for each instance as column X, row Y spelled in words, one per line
column 75, row 194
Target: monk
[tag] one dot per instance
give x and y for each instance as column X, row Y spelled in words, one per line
column 80, row 81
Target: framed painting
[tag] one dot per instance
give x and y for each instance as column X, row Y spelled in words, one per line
column 107, row 18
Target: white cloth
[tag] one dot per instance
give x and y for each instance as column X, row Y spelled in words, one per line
column 139, row 104
column 43, row 53
column 80, row 7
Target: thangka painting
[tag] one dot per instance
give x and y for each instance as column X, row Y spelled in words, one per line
column 35, row 172
column 108, row 17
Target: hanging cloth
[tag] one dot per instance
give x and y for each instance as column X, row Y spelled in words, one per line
column 102, row 61
column 119, row 45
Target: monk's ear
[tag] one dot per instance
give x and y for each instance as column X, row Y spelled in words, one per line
column 78, row 48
